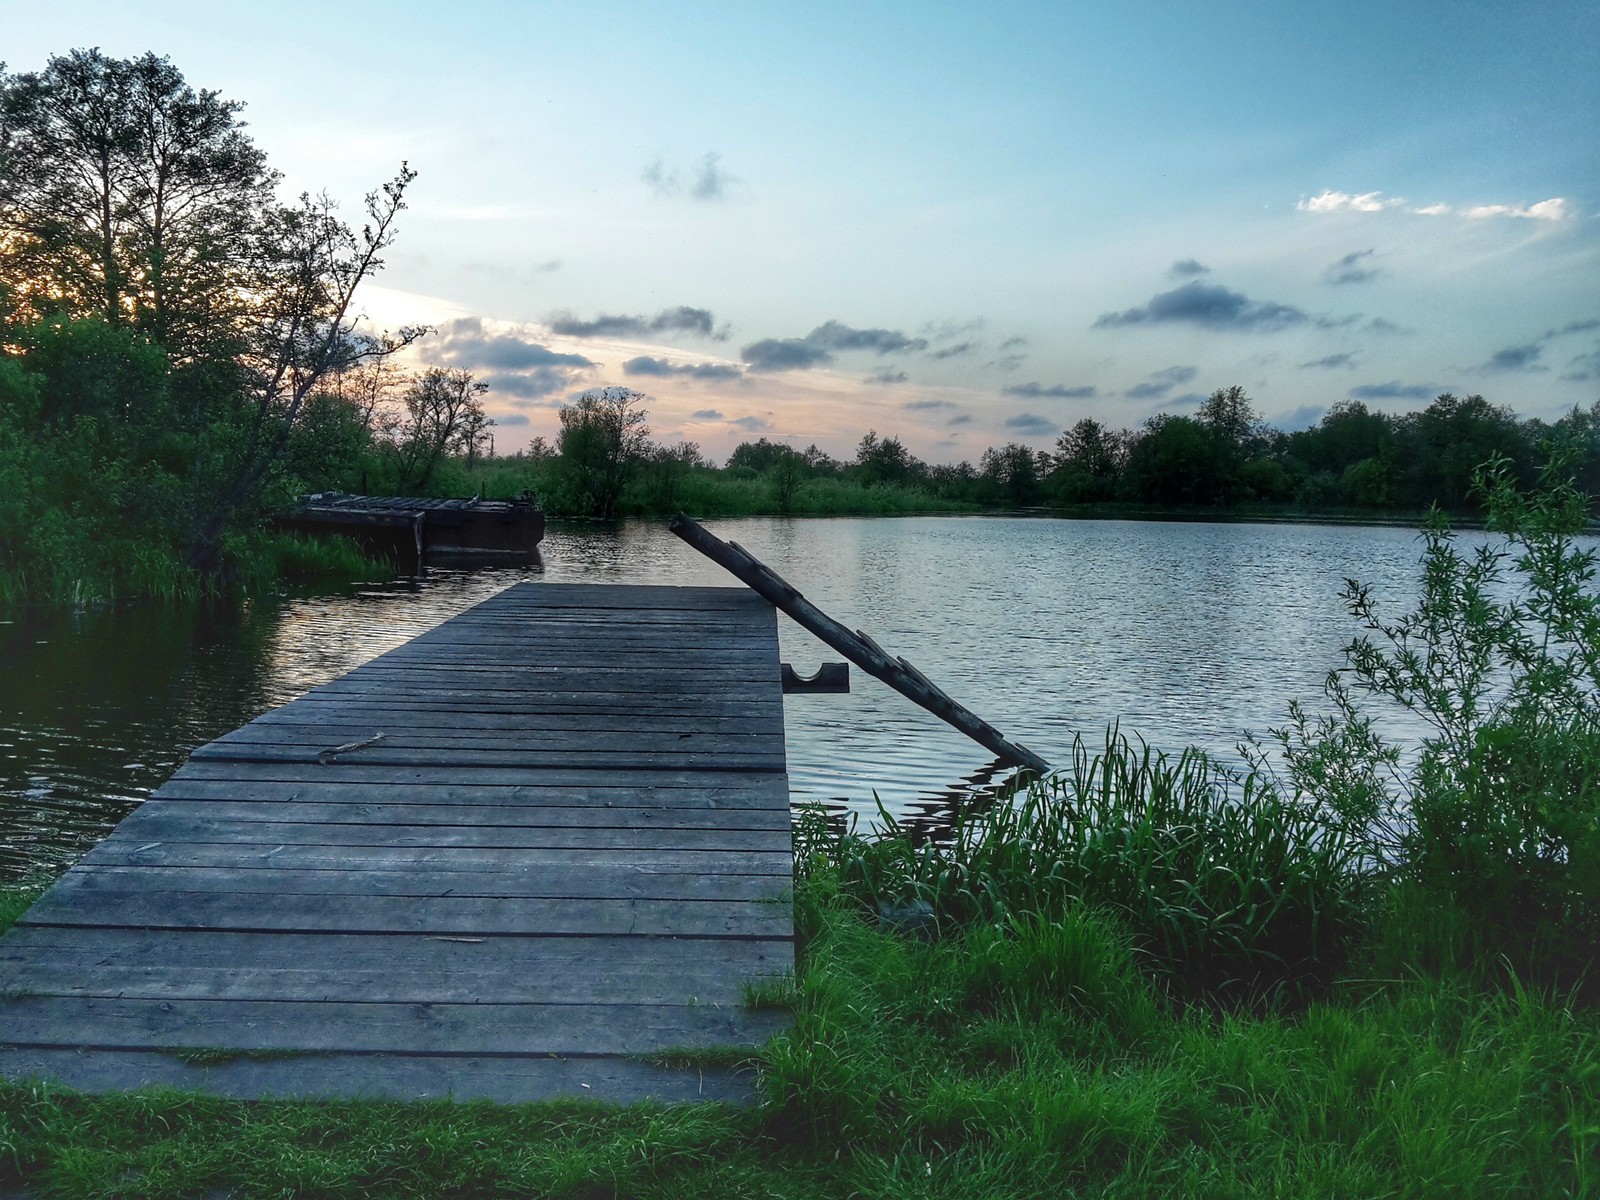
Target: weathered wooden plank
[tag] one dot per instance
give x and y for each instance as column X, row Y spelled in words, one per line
column 688, row 642
column 473, row 957
column 623, row 675
column 268, row 878
column 589, row 741
column 752, row 667
column 380, row 754
column 246, row 1025
column 381, row 809
column 325, row 712
column 664, row 981
column 477, row 776
column 159, row 821
column 132, row 852
column 541, row 651
column 599, row 597
column 470, row 916
column 660, row 978
column 635, row 703
column 501, row 1080
column 692, row 804
column 534, row 671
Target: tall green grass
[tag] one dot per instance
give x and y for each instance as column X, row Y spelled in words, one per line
column 79, row 569
column 1232, row 890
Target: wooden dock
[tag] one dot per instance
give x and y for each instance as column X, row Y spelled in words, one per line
column 521, row 857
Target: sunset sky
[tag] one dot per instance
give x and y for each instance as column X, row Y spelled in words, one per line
column 963, row 224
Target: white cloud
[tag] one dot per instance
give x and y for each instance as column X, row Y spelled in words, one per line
column 1553, row 209
column 1331, row 201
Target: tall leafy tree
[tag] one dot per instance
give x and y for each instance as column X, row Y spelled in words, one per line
column 443, row 415
column 126, row 192
column 604, row 436
column 1087, row 461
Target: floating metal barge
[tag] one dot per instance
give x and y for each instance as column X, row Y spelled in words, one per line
column 421, row 526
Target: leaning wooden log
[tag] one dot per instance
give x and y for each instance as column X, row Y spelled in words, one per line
column 857, row 646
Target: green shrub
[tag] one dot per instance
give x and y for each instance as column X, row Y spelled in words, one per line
column 1494, row 820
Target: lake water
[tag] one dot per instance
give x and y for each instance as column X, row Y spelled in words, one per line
column 1181, row 632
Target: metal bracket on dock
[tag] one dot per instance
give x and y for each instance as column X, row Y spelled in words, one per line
column 830, row 677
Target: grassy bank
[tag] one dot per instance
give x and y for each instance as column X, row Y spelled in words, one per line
column 1025, row 1058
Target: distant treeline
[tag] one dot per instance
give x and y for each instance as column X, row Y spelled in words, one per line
column 1224, row 458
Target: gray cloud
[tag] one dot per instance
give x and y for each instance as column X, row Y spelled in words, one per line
column 708, row 181
column 1160, row 383
column 1394, row 390
column 645, row 365
column 706, row 414
column 530, row 385
column 1381, row 325
column 504, row 419
column 1349, row 269
column 464, row 343
column 1186, row 400
column 834, row 335
column 1332, row 360
column 681, row 319
column 960, row 419
column 1583, row 368
column 1210, row 307
column 753, row 424
column 926, row 405
column 1030, row 425
column 1009, row 362
column 816, row 349
column 953, row 351
column 712, row 372
column 1517, row 358
column 1527, row 356
column 886, row 376
column 784, row 354
column 1053, row 391
column 1187, row 267
column 1013, row 342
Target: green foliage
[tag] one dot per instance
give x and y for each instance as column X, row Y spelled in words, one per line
column 603, row 438
column 1496, row 816
column 1230, row 890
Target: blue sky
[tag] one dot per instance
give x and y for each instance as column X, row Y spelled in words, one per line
column 962, row 224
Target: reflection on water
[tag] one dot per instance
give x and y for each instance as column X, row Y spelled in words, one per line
column 1183, row 633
